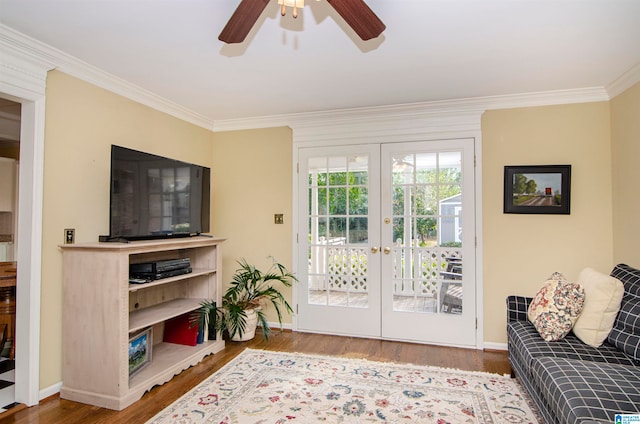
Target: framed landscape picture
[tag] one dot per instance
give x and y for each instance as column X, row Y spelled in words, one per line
column 534, row 189
column 140, row 351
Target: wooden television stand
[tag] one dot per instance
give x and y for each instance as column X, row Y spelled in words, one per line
column 102, row 310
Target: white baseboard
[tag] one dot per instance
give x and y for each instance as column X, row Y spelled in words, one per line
column 494, row 346
column 49, row 391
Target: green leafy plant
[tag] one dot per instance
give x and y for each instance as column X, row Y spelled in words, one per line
column 249, row 289
column 205, row 316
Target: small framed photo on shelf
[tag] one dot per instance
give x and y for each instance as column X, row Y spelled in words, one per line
column 534, row 189
column 140, row 346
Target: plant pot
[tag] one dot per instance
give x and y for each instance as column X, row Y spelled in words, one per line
column 250, row 330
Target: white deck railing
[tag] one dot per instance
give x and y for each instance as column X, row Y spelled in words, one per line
column 417, row 271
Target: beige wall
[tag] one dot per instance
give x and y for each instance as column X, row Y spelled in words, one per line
column 625, row 140
column 251, row 181
column 82, row 121
column 521, row 251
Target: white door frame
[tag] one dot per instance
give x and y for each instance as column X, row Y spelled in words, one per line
column 394, row 125
column 23, row 79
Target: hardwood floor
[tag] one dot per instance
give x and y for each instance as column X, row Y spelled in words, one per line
column 56, row 410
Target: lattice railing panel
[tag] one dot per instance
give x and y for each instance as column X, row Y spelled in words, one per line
column 338, row 268
column 419, row 271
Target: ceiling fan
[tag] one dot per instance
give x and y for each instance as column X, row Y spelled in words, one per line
column 355, row 13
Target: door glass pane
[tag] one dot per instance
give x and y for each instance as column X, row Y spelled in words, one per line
column 358, row 201
column 338, row 230
column 426, row 164
column 427, row 254
column 337, row 200
column 358, row 230
column 318, row 195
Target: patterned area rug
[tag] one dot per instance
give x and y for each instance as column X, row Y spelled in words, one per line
column 275, row 387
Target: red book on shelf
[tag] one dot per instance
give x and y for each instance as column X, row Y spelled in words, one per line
column 178, row 330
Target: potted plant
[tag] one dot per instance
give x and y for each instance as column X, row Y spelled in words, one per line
column 242, row 303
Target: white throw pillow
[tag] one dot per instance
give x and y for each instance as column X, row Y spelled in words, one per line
column 602, row 297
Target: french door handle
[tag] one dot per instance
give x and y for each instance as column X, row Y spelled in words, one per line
column 375, row 249
column 387, row 250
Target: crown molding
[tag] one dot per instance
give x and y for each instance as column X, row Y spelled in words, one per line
column 40, row 52
column 626, row 80
column 21, row 72
column 415, row 110
column 544, row 98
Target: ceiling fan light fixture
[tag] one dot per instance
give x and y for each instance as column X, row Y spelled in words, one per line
column 295, row 4
column 356, row 14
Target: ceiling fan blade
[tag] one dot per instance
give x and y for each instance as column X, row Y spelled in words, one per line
column 359, row 17
column 242, row 20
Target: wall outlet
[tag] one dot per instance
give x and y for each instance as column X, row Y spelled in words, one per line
column 69, row 235
column 278, row 218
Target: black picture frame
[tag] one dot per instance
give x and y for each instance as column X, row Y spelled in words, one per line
column 537, row 189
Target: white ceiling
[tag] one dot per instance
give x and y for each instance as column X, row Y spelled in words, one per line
column 431, row 50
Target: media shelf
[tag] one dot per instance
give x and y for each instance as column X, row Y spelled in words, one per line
column 194, row 273
column 102, row 310
column 159, row 313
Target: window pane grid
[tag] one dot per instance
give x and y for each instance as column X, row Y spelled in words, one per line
column 338, row 231
column 427, row 263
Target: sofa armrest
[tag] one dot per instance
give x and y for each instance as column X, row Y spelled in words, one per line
column 517, row 307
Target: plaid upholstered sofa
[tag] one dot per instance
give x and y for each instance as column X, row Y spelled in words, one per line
column 572, row 382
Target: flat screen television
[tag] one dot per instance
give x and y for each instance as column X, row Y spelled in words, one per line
column 156, row 197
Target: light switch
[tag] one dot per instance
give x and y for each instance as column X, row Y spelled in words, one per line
column 69, row 235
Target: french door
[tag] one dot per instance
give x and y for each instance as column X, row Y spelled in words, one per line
column 380, row 241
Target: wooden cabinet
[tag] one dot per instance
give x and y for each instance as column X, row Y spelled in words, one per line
column 101, row 311
column 7, row 184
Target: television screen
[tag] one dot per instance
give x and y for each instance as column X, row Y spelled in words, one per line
column 156, row 197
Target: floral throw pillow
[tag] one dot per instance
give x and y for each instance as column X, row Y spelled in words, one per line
column 556, row 307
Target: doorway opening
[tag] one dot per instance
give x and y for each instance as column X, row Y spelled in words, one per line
column 10, row 121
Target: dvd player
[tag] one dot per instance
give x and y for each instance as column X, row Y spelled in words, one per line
column 160, row 269
column 156, row 267
column 149, row 276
